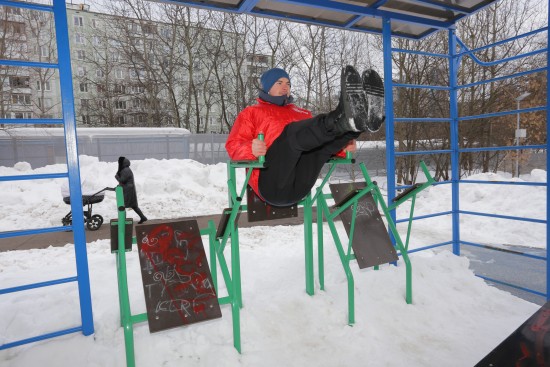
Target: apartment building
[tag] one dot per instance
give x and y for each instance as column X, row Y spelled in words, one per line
column 126, row 71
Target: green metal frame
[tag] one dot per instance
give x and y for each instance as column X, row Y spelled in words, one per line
column 231, row 279
column 232, row 275
column 346, row 255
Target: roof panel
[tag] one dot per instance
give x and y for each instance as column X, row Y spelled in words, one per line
column 410, row 18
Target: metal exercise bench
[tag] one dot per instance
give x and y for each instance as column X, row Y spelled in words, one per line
column 356, row 203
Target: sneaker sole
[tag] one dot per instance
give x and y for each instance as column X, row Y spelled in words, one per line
column 374, row 89
column 354, row 98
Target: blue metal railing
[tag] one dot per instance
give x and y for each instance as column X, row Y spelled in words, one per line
column 454, row 151
column 69, row 123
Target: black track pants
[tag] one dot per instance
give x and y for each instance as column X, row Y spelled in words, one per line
column 295, row 159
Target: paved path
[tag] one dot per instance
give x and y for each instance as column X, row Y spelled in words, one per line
column 511, row 268
column 45, row 240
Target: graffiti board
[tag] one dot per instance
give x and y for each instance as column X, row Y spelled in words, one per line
column 176, row 278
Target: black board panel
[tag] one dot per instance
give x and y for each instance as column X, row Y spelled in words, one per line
column 128, row 231
column 176, row 278
column 258, row 210
column 371, row 242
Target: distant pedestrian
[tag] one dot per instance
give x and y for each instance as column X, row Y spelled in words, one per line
column 125, row 178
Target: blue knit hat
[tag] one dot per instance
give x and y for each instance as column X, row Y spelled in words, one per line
column 271, row 76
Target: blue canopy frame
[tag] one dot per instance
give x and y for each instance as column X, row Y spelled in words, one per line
column 413, row 19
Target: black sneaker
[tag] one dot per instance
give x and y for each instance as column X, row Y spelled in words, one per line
column 374, row 88
column 354, row 100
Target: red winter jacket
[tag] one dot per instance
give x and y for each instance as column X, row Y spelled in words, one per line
column 263, row 117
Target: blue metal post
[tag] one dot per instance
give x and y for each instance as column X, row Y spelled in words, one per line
column 388, row 95
column 67, row 101
column 390, row 121
column 547, row 160
column 455, row 171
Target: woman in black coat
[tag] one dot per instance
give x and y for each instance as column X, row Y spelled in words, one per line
column 125, row 178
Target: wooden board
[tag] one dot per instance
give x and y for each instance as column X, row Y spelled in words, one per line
column 176, row 278
column 258, row 210
column 371, row 242
column 529, row 345
column 224, row 221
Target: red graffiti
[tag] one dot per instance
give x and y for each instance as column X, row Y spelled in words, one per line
column 183, row 251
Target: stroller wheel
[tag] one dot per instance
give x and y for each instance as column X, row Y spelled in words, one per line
column 94, row 222
column 66, row 221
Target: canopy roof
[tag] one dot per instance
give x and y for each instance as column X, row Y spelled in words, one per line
column 410, row 18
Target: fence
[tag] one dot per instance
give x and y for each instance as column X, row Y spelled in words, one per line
column 40, row 151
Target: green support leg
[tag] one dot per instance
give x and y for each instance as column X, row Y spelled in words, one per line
column 320, row 248
column 124, row 298
column 343, row 258
column 308, row 245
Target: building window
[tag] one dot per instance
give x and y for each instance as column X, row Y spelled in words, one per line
column 19, row 81
column 81, row 54
column 44, row 51
column 137, row 73
column 83, row 87
column 120, row 105
column 149, row 28
column 102, row 103
column 84, row 103
column 100, row 73
column 119, row 74
column 82, row 71
column 137, row 103
column 119, row 88
column 13, row 10
column 115, row 56
column 45, row 102
column 86, row 119
column 100, row 88
column 139, row 119
column 23, row 115
column 79, row 38
column 21, row 99
column 96, row 40
column 43, row 86
column 120, row 120
column 78, row 21
column 137, row 89
column 94, row 23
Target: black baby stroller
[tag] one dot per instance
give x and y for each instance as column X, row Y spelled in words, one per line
column 93, row 221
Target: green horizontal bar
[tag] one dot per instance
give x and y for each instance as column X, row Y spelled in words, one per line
column 224, row 300
column 135, row 319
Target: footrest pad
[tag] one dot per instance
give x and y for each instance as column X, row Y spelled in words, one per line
column 371, row 242
column 407, row 191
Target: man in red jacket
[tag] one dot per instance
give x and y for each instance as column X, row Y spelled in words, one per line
column 297, row 145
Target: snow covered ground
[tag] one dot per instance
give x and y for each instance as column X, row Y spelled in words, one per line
column 455, row 318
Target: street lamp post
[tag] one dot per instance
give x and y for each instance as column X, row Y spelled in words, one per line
column 518, row 100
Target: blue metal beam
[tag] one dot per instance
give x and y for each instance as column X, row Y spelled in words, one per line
column 29, row 64
column 378, row 4
column 32, row 121
column 360, row 10
column 447, row 6
column 246, row 5
column 32, row 6
column 37, row 285
column 34, row 177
